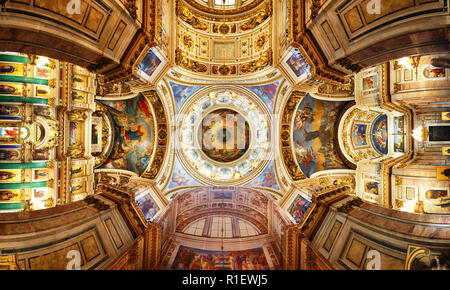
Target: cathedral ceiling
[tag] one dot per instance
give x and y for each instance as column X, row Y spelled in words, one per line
column 271, row 81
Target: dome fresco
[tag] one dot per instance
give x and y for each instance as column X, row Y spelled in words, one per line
column 225, row 140
column 224, row 135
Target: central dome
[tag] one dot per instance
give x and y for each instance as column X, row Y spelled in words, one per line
column 224, row 135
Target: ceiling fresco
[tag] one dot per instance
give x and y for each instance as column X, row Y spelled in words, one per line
column 225, row 135
column 134, row 134
column 182, row 92
column 232, row 164
column 266, row 92
column 197, row 259
column 314, row 133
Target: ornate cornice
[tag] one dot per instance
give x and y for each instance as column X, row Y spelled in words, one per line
column 127, row 206
column 348, row 206
column 145, row 38
column 319, row 207
column 301, row 38
column 162, row 135
column 387, row 165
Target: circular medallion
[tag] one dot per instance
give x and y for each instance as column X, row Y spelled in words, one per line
column 224, row 29
column 224, row 135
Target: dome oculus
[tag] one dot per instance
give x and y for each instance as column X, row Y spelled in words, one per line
column 224, row 135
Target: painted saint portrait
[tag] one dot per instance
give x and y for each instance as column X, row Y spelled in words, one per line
column 8, row 110
column 9, row 154
column 298, row 64
column 11, row 89
column 73, row 133
column 147, row 205
column 8, row 175
column 182, row 92
column 299, row 208
column 10, row 195
column 150, row 63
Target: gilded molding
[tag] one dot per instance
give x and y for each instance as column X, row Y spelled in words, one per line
column 388, row 164
column 96, row 203
column 285, row 130
column 162, row 135
column 229, row 13
column 187, row 16
column 303, row 40
column 348, row 206
column 128, row 207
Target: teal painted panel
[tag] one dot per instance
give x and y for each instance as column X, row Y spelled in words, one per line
column 19, row 99
column 4, row 186
column 20, row 79
column 12, row 206
column 14, row 58
column 23, row 165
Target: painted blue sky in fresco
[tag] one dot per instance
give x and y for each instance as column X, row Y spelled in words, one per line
column 181, row 93
column 266, row 93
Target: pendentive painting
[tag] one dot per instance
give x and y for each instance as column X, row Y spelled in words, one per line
column 150, row 63
column 134, row 134
column 147, row 205
column 297, row 63
column 299, row 208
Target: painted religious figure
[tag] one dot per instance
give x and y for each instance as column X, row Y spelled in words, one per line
column 134, row 135
column 314, row 133
column 380, row 134
column 197, row 259
column 299, row 208
column 359, row 134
